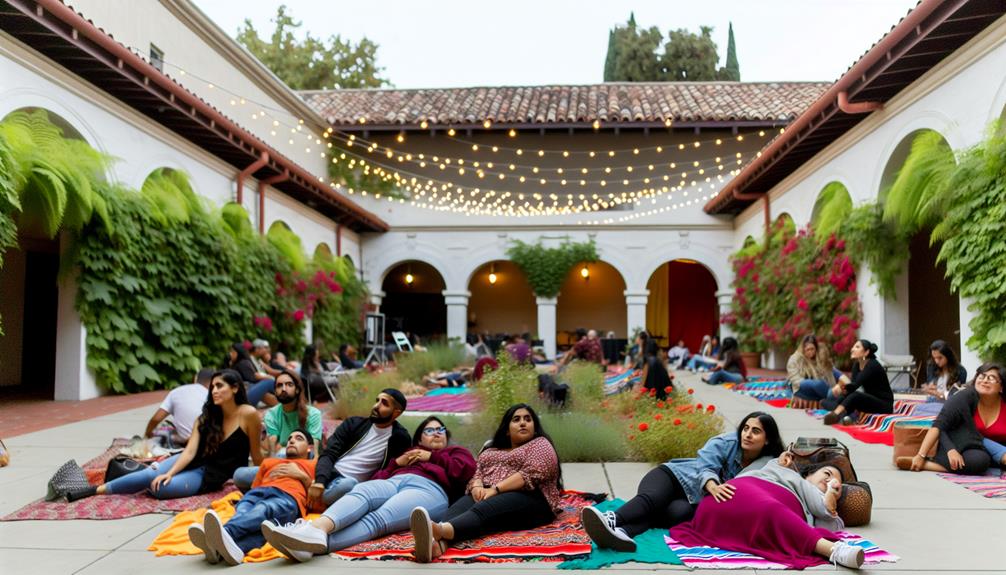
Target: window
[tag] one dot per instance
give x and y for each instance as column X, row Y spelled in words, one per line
column 156, row 57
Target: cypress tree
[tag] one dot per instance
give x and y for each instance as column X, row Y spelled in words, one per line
column 732, row 71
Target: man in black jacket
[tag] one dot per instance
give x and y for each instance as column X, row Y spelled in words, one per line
column 358, row 448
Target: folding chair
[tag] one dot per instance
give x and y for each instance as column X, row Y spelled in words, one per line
column 402, row 341
column 900, row 368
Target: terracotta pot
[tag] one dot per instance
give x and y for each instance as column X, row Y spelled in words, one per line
column 752, row 359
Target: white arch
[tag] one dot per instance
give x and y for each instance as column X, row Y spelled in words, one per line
column 928, row 120
column 998, row 104
column 156, row 163
column 388, row 263
column 710, row 259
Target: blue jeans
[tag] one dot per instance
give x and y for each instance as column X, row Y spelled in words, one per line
column 720, row 376
column 813, row 390
column 244, row 477
column 256, row 506
column 336, row 488
column 382, row 506
column 184, row 484
column 696, row 362
column 996, row 450
column 257, row 390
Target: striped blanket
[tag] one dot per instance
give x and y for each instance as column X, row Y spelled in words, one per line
column 991, row 485
column 765, row 390
column 617, row 382
column 715, row 558
column 879, row 427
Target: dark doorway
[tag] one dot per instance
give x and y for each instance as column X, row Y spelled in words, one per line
column 933, row 311
column 414, row 301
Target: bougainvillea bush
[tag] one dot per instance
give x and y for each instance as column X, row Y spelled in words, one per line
column 792, row 286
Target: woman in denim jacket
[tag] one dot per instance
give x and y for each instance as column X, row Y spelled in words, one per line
column 669, row 494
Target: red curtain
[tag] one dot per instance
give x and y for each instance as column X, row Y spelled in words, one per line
column 692, row 304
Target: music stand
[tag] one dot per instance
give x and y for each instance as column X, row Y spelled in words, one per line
column 374, row 338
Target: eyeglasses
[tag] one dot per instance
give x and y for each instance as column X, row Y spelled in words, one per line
column 988, row 376
column 435, row 431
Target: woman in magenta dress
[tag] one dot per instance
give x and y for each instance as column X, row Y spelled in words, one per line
column 778, row 514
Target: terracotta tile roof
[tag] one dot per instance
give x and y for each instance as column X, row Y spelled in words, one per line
column 617, row 102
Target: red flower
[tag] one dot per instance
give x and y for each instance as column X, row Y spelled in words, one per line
column 631, row 437
column 802, row 304
column 653, row 393
column 298, row 315
column 710, row 409
column 658, row 417
column 698, row 406
column 677, row 421
column 660, row 404
column 644, row 426
column 669, row 389
column 690, row 391
column 246, row 344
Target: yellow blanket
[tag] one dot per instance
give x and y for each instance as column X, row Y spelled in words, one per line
column 175, row 539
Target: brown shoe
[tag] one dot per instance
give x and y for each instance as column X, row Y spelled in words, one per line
column 904, row 463
column 831, row 418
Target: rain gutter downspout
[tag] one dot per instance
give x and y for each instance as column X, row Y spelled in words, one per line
column 261, row 196
column 240, row 180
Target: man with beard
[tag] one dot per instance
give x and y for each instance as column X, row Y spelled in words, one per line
column 358, row 448
column 281, row 420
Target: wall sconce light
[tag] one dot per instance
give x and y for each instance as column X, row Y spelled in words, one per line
column 585, row 273
column 492, row 274
column 409, row 278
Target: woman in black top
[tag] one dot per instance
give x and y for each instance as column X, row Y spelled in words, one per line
column 944, row 375
column 261, row 386
column 655, row 377
column 870, row 390
column 225, row 434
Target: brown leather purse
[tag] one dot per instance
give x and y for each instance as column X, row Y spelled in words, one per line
column 908, row 441
column 855, row 505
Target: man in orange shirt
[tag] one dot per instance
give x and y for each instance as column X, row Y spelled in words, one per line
column 279, row 494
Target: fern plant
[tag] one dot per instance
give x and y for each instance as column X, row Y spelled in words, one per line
column 918, row 197
column 830, row 210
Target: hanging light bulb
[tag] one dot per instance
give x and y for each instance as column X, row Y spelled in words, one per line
column 409, row 278
column 585, row 272
column 492, row 274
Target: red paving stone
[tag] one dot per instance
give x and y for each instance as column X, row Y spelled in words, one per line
column 20, row 415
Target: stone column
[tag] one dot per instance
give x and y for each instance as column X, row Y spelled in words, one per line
column 635, row 310
column 725, row 298
column 308, row 330
column 375, row 300
column 546, row 323
column 457, row 315
column 74, row 381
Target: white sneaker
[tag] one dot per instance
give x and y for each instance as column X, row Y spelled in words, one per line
column 602, row 529
column 847, row 555
column 218, row 539
column 198, row 538
column 269, row 532
column 299, row 536
column 422, row 533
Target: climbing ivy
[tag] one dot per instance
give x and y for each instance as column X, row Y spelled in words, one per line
column 546, row 268
column 877, row 243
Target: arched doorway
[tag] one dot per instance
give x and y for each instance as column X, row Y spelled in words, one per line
column 833, row 204
column 414, row 300
column 502, row 301
column 924, row 307
column 591, row 299
column 682, row 303
column 30, row 301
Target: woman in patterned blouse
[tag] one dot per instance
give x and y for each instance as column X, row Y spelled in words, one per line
column 517, row 485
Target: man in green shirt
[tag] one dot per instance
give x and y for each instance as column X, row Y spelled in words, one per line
column 293, row 412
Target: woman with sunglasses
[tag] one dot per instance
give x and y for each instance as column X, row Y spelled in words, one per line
column 431, row 475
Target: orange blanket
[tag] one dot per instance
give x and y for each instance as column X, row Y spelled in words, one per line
column 174, row 540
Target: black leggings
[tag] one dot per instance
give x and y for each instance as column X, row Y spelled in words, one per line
column 976, row 461
column 866, row 403
column 660, row 501
column 510, row 511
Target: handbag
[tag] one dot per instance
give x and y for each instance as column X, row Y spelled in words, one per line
column 855, row 505
column 908, row 441
column 4, row 455
column 69, row 477
column 122, row 465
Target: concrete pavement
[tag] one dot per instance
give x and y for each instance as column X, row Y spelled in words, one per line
column 934, row 525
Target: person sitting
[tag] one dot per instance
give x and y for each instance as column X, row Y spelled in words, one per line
column 655, row 377
column 184, row 404
column 456, row 378
column 431, row 475
column 279, row 493
column 476, row 347
column 677, row 355
column 870, row 390
column 730, row 366
column 261, row 357
column 707, row 355
column 810, row 373
column 669, row 493
column 637, row 353
column 519, row 350
column 280, row 421
column 260, row 385
column 587, row 348
column 226, row 433
column 794, row 516
column 944, row 375
column 359, row 447
column 970, row 429
column 347, row 357
column 517, row 485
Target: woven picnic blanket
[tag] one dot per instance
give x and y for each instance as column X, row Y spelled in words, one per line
column 716, row 558
column 991, row 485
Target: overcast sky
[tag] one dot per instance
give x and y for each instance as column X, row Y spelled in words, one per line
column 453, row 43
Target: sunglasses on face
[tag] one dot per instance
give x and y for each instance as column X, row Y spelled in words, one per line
column 435, row 431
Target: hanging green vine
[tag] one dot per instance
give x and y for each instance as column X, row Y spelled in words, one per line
column 877, row 243
column 546, row 268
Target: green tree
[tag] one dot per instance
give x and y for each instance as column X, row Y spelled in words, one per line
column 632, row 53
column 313, row 63
column 732, row 70
column 689, row 57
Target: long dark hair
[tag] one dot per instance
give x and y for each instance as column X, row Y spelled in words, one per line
column 242, row 354
column 947, row 352
column 307, row 362
column 211, row 422
column 773, row 441
column 806, row 471
column 501, row 439
column 729, row 351
column 418, row 435
column 298, row 384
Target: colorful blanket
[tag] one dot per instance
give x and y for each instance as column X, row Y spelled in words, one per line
column 765, row 390
column 109, row 506
column 991, row 485
column 460, row 402
column 879, row 427
column 616, row 382
column 650, row 548
column 557, row 541
column 715, row 558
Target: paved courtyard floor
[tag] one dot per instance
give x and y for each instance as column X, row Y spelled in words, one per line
column 934, row 525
